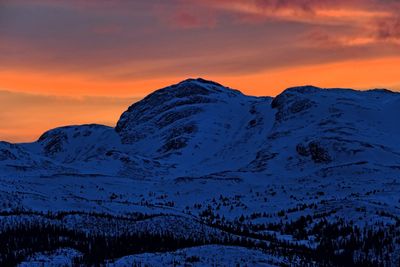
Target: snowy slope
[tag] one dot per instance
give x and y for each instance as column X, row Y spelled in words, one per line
column 319, row 130
column 202, row 256
column 197, row 125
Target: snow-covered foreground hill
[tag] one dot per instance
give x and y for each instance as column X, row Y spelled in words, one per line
column 197, row 173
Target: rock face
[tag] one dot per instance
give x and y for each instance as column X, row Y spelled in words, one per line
column 10, row 152
column 81, row 142
column 293, row 102
column 317, row 152
column 164, row 107
column 315, row 128
column 171, row 112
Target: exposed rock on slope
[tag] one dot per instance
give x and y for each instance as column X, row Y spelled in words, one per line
column 315, row 128
column 197, row 122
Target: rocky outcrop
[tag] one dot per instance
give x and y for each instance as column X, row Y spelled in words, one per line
column 170, row 114
column 318, row 153
column 293, row 101
column 165, row 102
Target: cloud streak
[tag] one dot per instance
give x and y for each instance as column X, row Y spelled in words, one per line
column 111, row 39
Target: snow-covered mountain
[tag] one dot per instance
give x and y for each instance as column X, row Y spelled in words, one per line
column 197, row 125
column 214, row 164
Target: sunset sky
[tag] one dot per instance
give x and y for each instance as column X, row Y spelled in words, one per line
column 75, row 61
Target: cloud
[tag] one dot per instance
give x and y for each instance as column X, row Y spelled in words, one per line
column 185, row 15
column 388, row 29
column 106, row 42
column 310, row 11
column 187, row 20
column 75, row 35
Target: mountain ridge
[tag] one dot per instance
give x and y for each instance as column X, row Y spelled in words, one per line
column 189, row 117
column 311, row 175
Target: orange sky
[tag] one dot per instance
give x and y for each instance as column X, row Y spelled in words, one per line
column 73, row 62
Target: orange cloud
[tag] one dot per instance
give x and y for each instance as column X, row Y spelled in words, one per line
column 375, row 20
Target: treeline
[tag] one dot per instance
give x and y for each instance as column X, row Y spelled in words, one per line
column 339, row 243
column 25, row 239
column 136, row 216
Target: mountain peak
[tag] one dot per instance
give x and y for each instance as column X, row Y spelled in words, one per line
column 200, row 81
column 199, row 86
column 175, row 102
column 303, row 89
